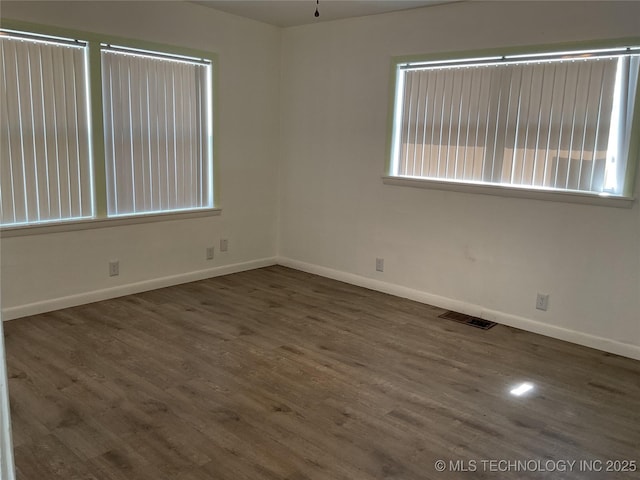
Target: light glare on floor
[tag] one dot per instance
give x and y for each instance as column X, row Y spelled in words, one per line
column 522, row 389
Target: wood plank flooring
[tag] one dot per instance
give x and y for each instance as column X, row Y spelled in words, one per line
column 278, row 374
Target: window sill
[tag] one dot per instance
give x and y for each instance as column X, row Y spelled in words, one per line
column 91, row 223
column 516, row 192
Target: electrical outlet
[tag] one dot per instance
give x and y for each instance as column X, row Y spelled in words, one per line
column 114, row 268
column 209, row 253
column 224, row 245
column 542, row 301
column 379, row 264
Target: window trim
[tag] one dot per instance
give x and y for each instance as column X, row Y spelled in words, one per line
column 101, row 218
column 74, row 195
column 626, row 200
column 91, row 223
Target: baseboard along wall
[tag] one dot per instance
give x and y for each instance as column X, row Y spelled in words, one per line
column 573, row 336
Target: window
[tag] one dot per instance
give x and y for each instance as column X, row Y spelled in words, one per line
column 45, row 172
column 157, row 120
column 559, row 122
column 154, row 110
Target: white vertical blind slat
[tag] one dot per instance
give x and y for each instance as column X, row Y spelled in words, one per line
column 177, row 163
column 432, row 130
column 140, row 138
column 485, row 145
column 597, row 132
column 496, row 128
column 47, row 178
column 560, row 129
column 36, row 125
column 201, row 137
column 109, row 140
column 585, row 122
column 189, row 143
column 8, row 198
column 130, row 141
column 78, row 111
column 65, row 132
column 23, row 121
column 459, row 125
column 169, row 166
column 538, row 130
column 148, row 127
column 419, row 102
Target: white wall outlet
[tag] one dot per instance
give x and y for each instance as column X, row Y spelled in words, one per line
column 379, row 264
column 542, row 301
column 114, row 268
column 209, row 253
column 224, row 245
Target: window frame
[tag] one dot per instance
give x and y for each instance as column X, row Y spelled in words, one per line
column 68, row 111
column 113, row 156
column 626, row 200
column 96, row 141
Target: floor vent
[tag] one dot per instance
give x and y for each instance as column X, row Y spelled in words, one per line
column 468, row 320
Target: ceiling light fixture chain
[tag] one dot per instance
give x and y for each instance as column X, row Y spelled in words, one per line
column 317, row 14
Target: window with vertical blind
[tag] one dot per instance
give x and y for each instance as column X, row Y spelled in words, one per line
column 553, row 121
column 91, row 131
column 45, row 168
column 157, row 127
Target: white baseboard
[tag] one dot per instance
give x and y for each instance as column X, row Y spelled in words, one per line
column 130, row 288
column 599, row 343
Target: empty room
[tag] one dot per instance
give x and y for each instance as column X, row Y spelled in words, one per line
column 319, row 239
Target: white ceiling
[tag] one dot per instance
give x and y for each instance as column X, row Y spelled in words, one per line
column 289, row 13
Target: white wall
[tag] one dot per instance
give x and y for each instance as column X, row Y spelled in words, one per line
column 487, row 255
column 328, row 210
column 39, row 270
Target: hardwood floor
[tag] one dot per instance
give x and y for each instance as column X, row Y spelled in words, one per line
column 278, row 374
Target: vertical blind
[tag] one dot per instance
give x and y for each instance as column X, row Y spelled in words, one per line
column 544, row 123
column 45, row 167
column 157, row 133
